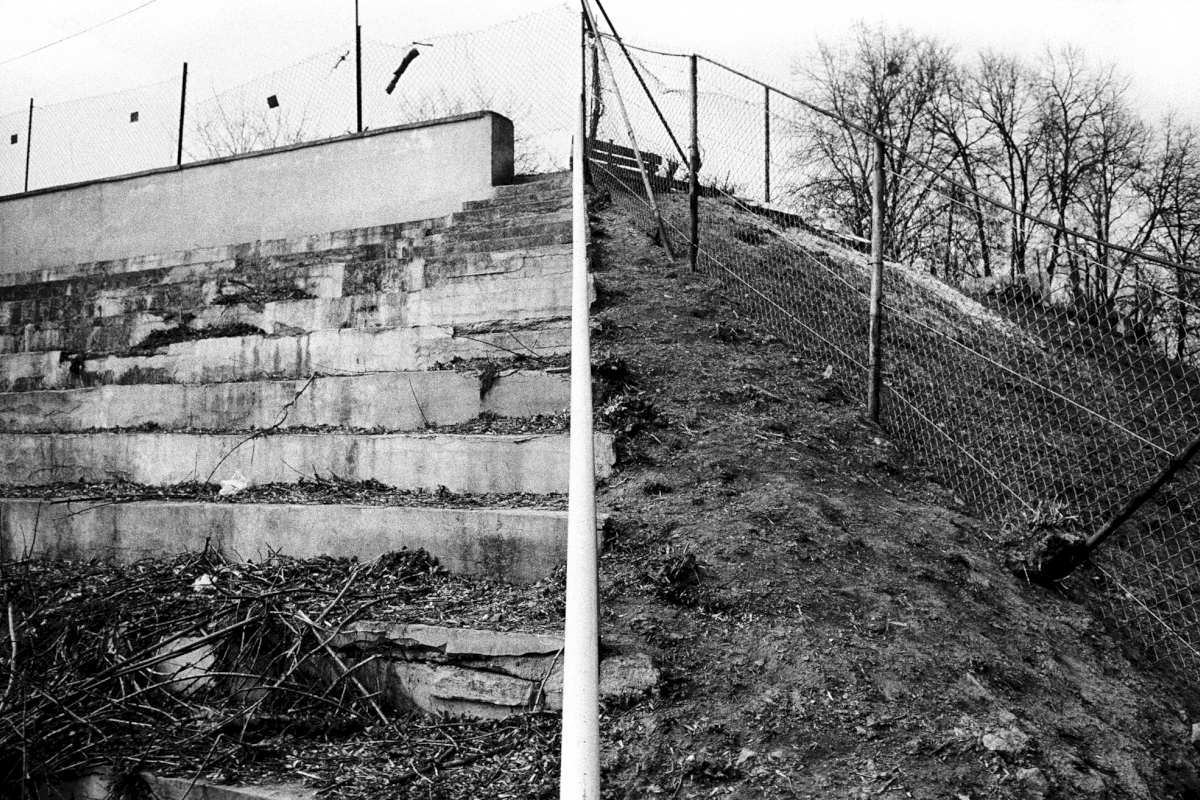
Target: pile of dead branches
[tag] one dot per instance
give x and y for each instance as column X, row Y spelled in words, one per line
column 166, row 663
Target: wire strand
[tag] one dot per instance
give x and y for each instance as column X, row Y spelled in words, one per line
column 77, row 34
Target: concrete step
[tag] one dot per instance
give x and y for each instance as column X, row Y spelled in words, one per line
column 537, row 195
column 464, row 464
column 517, row 210
column 392, row 401
column 252, row 358
column 508, row 227
column 521, row 183
column 494, row 245
column 180, row 290
column 461, row 299
column 545, row 260
column 204, row 257
column 520, row 545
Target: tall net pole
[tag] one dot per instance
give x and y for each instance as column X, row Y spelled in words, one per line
column 580, row 778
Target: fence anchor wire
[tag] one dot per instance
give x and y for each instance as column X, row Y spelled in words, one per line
column 1065, row 561
column 637, row 73
column 637, row 153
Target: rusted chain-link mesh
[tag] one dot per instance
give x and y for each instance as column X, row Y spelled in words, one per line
column 519, row 68
column 1040, row 410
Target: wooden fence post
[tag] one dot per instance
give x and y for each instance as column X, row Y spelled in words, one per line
column 874, row 348
column 767, row 144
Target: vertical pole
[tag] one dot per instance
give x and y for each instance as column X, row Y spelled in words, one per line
column 358, row 66
column 580, row 776
column 28, row 143
column 874, row 354
column 767, row 144
column 694, row 166
column 182, row 109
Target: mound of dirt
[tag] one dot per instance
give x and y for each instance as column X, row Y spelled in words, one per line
column 832, row 623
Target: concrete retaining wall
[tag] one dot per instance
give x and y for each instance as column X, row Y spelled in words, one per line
column 402, row 173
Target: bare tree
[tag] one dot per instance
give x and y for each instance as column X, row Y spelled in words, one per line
column 963, row 132
column 1169, row 185
column 1116, row 151
column 1071, row 98
column 886, row 82
column 226, row 128
column 1001, row 90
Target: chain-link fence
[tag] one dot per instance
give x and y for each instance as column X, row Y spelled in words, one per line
column 1043, row 375
column 516, row 68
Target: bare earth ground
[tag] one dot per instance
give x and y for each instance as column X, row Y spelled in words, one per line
column 831, row 623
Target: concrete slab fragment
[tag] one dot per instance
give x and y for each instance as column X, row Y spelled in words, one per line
column 451, row 641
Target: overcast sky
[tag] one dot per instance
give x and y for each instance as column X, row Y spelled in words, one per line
column 228, row 42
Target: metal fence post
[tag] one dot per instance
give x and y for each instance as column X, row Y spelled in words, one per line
column 874, row 353
column 694, row 168
column 767, row 144
column 358, row 66
column 358, row 73
column 28, row 143
column 182, row 109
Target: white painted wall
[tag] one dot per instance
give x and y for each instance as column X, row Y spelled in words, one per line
column 398, row 174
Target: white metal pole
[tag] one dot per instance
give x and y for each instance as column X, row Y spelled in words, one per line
column 580, row 778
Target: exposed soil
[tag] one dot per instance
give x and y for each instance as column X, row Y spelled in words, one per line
column 833, row 623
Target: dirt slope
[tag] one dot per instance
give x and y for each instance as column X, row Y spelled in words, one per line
column 832, row 623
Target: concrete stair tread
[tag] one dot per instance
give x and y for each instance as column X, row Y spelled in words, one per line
column 516, row 288
column 511, row 210
column 258, row 357
column 496, row 245
column 184, row 288
column 532, row 197
column 518, row 544
column 393, row 401
column 463, row 463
